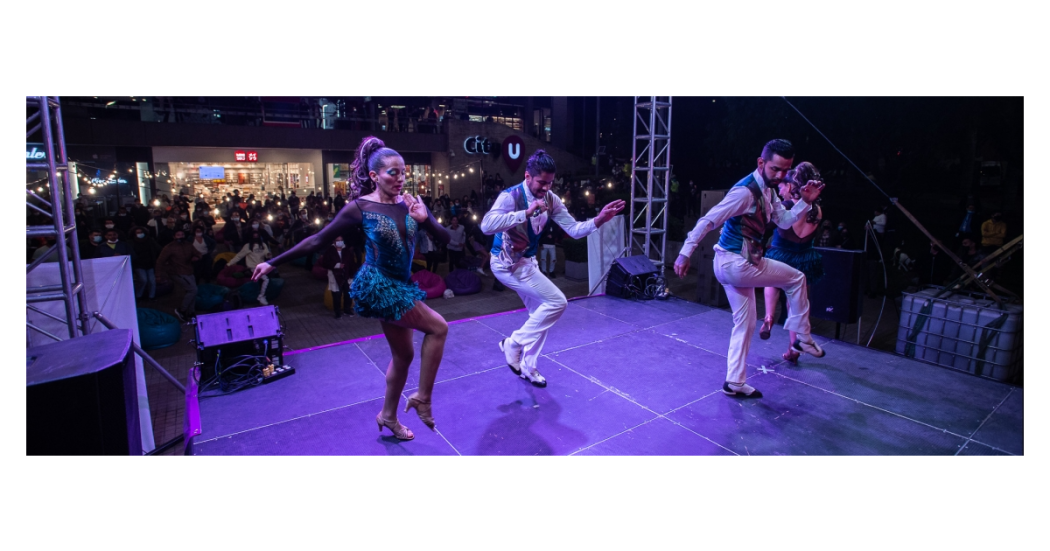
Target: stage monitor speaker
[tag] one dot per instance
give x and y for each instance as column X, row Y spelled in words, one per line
column 627, row 272
column 81, row 397
column 836, row 297
column 225, row 335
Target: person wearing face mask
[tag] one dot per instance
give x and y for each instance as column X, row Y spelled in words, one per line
column 233, row 232
column 341, row 263
column 89, row 247
column 155, row 223
column 176, row 263
column 166, row 233
column 255, row 252
column 110, row 224
column 259, row 225
column 205, row 247
column 143, row 262
column 123, row 221
column 114, row 246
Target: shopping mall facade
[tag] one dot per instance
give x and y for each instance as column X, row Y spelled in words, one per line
column 134, row 153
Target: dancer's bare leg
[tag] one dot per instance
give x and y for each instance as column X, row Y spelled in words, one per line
column 771, row 294
column 400, row 341
column 422, row 318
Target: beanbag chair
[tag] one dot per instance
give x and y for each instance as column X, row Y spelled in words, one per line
column 320, row 273
column 234, row 276
column 157, row 329
column 463, row 282
column 224, row 257
column 164, row 287
column 249, row 292
column 210, row 297
column 430, row 282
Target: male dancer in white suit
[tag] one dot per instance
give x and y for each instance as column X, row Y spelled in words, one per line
column 517, row 219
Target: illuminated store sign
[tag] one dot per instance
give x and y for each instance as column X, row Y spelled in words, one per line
column 477, row 144
column 35, row 152
column 246, row 156
column 98, row 181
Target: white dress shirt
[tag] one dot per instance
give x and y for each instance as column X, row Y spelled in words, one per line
column 504, row 215
column 740, row 201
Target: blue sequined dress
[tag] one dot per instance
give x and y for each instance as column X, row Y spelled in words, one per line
column 382, row 287
column 789, row 248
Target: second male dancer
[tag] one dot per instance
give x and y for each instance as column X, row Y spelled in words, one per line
column 739, row 264
column 517, row 219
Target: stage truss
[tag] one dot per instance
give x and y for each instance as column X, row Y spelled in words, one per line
column 650, row 178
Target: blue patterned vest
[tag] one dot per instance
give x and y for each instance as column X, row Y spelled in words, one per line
column 750, row 226
column 519, row 241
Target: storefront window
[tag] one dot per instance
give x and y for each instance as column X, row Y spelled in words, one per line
column 248, row 178
column 416, row 178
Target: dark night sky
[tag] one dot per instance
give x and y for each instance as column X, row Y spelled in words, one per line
column 919, row 149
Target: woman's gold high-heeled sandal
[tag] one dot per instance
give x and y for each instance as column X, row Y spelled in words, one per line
column 767, row 327
column 400, row 431
column 422, row 410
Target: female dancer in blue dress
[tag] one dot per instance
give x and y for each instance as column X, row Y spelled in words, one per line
column 381, row 288
column 794, row 247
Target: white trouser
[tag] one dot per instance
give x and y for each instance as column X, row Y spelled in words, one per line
column 544, row 300
column 740, row 279
column 546, row 252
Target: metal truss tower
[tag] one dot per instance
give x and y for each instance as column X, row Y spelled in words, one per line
column 44, row 114
column 650, row 178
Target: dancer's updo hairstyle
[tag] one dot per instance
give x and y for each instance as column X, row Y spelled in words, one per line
column 797, row 177
column 369, row 157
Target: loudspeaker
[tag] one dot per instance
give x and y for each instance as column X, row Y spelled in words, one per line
column 81, row 397
column 223, row 336
column 629, row 271
column 836, row 297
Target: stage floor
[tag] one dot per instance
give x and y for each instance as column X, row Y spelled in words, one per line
column 624, row 378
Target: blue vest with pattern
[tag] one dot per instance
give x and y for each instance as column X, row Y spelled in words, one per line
column 750, row 226
column 521, row 239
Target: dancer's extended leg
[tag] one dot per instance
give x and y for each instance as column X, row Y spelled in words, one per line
column 422, row 318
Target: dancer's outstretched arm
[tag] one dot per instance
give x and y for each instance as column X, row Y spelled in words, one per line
column 347, row 218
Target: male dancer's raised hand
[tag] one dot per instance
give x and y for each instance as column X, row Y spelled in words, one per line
column 610, row 210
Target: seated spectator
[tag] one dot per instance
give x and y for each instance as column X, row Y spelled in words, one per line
column 123, row 221
column 255, row 252
column 156, row 222
column 205, row 247
column 89, row 247
column 176, row 264
column 143, row 263
column 114, row 246
column 109, row 224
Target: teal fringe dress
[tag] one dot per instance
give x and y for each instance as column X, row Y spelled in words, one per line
column 382, row 287
column 798, row 253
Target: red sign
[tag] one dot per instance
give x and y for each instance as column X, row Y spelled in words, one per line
column 249, row 156
column 513, row 147
column 253, row 157
column 239, row 156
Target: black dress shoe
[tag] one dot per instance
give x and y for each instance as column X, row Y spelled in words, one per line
column 729, row 391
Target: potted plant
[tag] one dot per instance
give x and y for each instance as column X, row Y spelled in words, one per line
column 575, row 258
